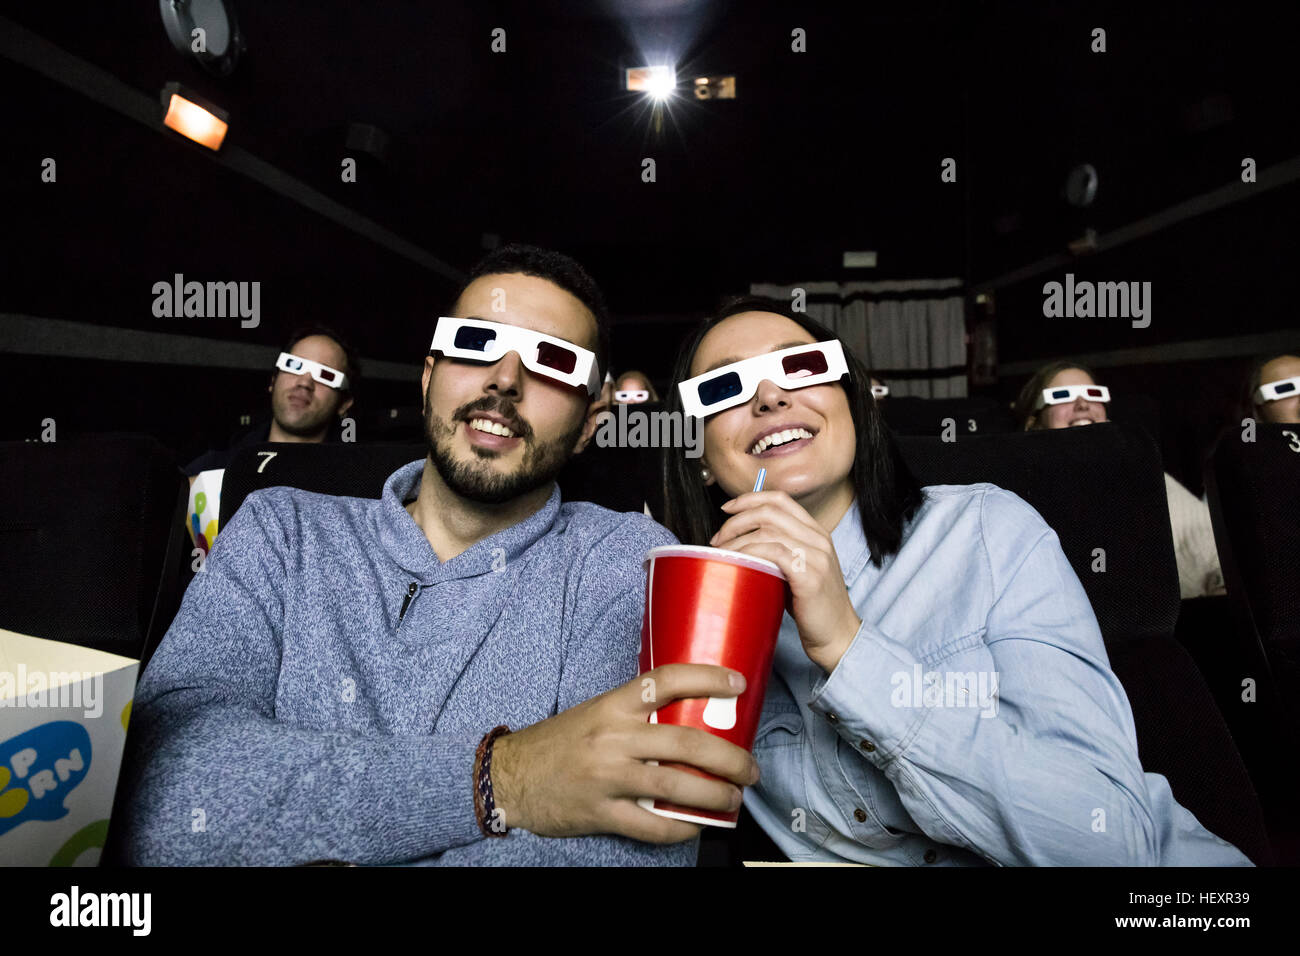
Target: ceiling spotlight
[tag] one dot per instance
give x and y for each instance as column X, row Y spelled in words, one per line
column 1080, row 187
column 657, row 81
column 193, row 117
column 206, row 31
column 715, row 87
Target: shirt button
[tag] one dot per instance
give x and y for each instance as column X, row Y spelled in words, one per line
column 832, row 718
column 868, row 746
column 931, row 856
column 860, row 816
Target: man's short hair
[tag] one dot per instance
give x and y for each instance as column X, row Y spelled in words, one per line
column 1248, row 405
column 554, row 267
column 353, row 370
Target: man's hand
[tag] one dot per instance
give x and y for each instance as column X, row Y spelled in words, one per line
column 581, row 771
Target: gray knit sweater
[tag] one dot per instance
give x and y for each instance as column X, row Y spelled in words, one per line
column 294, row 712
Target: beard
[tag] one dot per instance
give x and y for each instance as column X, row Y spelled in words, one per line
column 308, row 426
column 476, row 479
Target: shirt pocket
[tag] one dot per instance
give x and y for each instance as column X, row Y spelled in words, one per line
column 781, row 725
column 781, row 752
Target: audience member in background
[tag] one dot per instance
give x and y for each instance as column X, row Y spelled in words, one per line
column 634, row 388
column 1065, row 395
column 336, row 684
column 887, row 580
column 1273, row 391
column 613, row 472
column 312, row 388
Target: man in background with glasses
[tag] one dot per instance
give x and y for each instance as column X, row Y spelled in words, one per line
column 312, row 388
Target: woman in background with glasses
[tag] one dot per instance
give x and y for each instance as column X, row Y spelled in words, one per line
column 1065, row 394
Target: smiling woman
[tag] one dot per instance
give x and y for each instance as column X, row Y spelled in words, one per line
column 1033, row 411
column 879, row 477
column 1023, row 735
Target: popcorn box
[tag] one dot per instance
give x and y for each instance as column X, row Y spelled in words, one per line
column 204, row 513
column 63, row 716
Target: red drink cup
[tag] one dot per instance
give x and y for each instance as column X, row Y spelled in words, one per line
column 710, row 606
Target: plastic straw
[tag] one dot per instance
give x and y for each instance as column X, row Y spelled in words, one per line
column 758, row 485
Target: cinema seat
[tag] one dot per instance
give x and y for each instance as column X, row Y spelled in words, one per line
column 394, row 425
column 616, row 477
column 975, row 415
column 1135, row 408
column 353, row 470
column 1251, row 488
column 85, row 528
column 1102, row 487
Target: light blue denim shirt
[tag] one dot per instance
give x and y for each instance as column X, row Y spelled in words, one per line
column 974, row 719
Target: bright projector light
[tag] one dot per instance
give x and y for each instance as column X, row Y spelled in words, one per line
column 658, row 81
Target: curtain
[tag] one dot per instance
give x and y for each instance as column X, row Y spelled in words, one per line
column 910, row 333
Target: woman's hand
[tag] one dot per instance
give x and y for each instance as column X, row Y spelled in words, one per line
column 772, row 525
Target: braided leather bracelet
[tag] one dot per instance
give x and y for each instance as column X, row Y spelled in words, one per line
column 484, row 807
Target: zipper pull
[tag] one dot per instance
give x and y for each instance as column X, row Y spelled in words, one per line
column 406, row 602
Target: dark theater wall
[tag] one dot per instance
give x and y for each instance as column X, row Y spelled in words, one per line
column 835, row 149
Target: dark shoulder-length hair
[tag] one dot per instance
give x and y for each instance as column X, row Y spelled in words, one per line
column 1024, row 408
column 888, row 494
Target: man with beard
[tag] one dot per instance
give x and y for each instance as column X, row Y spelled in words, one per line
column 303, row 408
column 311, row 390
column 342, row 681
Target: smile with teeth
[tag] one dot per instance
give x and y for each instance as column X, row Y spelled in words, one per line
column 779, row 438
column 491, row 427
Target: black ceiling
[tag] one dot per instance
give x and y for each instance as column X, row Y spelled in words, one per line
column 833, row 149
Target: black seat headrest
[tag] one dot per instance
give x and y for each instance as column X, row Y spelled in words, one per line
column 1252, row 489
column 625, row 475
column 974, row 415
column 353, row 470
column 1101, row 489
column 84, row 528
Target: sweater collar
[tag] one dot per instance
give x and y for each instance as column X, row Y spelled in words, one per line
column 406, row 544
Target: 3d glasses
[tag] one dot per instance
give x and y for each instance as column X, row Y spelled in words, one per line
column 735, row 384
column 482, row 341
column 1068, row 393
column 879, row 391
column 297, row 365
column 632, row 396
column 1282, row 388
